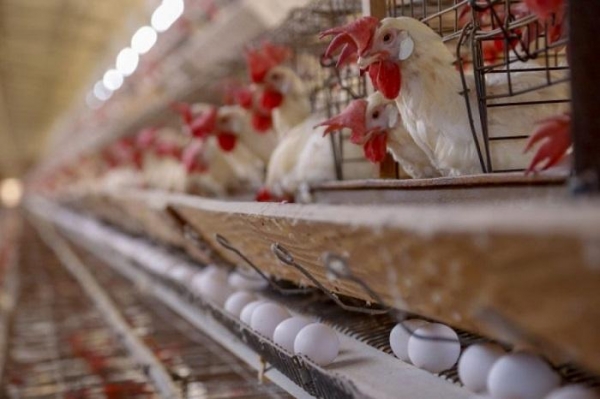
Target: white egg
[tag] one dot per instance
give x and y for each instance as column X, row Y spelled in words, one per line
column 236, row 302
column 248, row 282
column 286, row 332
column 572, row 392
column 181, row 273
column 215, row 272
column 431, row 355
column 211, row 284
column 266, row 317
column 318, row 342
column 399, row 337
column 246, row 313
column 521, row 375
column 475, row 365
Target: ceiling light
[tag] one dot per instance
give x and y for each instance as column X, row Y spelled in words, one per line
column 11, row 192
column 127, row 61
column 112, row 80
column 101, row 92
column 166, row 14
column 92, row 101
column 143, row 40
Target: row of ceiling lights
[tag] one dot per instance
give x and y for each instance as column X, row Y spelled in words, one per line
column 128, row 59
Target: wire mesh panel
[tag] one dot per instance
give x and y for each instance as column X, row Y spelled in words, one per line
column 330, row 89
column 510, row 62
column 527, row 55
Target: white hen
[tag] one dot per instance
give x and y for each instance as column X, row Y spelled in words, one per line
column 409, row 63
column 303, row 155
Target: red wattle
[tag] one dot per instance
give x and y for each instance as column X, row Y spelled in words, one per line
column 261, row 122
column 376, row 148
column 389, row 79
column 244, row 98
column 271, row 99
column 264, row 195
column 227, row 141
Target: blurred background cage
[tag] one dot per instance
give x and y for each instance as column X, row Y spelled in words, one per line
column 330, row 89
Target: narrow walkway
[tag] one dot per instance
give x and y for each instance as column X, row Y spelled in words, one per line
column 61, row 346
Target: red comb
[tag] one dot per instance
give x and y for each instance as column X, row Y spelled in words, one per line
column 262, row 59
column 146, row 137
column 230, row 88
column 352, row 38
column 191, row 158
column 244, row 97
column 205, row 123
column 353, row 117
column 167, row 149
column 183, row 109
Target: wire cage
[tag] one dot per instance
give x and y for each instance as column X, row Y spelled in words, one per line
column 522, row 43
column 330, row 89
column 526, row 50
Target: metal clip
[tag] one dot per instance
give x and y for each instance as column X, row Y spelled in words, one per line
column 282, row 290
column 286, row 257
column 338, row 268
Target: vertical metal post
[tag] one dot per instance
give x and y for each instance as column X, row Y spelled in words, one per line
column 584, row 52
column 388, row 169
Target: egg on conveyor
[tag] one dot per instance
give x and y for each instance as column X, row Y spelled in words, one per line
column 286, row 332
column 475, row 364
column 246, row 313
column 247, row 281
column 237, row 301
column 211, row 284
column 318, row 342
column 401, row 333
column 572, row 392
column 266, row 317
column 180, row 273
column 521, row 375
column 434, row 355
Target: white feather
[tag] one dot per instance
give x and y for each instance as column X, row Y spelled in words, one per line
column 435, row 114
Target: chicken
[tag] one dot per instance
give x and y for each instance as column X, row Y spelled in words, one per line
column 234, row 131
column 408, row 62
column 284, row 93
column 375, row 124
column 162, row 150
column 125, row 164
column 247, row 168
column 303, row 155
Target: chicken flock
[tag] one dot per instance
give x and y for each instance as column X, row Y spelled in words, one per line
column 267, row 140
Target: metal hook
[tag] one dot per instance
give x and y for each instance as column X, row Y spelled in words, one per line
column 286, row 257
column 338, row 267
column 282, row 290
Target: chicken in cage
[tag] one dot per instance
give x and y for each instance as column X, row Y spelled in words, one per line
column 474, row 119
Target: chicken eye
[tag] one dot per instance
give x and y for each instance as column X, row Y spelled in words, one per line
column 387, row 37
column 375, row 114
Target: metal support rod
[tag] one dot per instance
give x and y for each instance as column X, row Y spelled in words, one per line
column 584, row 54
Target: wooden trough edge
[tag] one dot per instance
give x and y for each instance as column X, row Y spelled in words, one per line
column 521, row 272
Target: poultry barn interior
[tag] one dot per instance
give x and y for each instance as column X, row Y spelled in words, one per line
column 302, row 198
